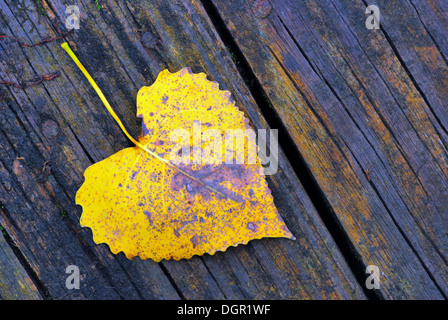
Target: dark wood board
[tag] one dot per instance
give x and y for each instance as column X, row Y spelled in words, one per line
column 15, row 283
column 125, row 46
column 365, row 110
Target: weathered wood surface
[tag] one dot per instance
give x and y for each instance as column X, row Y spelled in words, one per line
column 124, row 46
column 367, row 111
column 15, row 283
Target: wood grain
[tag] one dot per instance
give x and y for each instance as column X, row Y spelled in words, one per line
column 364, row 108
column 124, row 46
column 15, row 284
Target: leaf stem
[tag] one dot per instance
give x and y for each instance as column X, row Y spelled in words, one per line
column 72, row 55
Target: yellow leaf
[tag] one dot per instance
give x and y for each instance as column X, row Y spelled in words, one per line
column 139, row 203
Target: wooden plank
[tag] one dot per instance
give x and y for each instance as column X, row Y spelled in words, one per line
column 220, row 68
column 432, row 14
column 124, row 46
column 422, row 37
column 374, row 145
column 14, row 280
column 42, row 218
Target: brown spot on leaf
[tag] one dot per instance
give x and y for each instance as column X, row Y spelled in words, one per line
column 194, row 240
column 251, row 226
